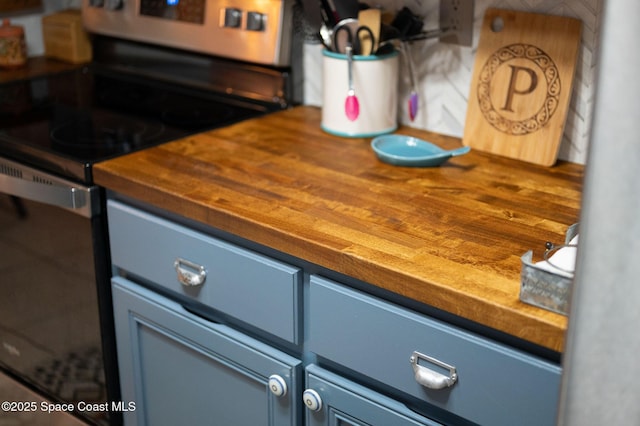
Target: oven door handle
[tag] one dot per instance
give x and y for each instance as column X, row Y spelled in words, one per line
column 75, row 198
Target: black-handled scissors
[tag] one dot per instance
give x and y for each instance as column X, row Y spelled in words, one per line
column 359, row 37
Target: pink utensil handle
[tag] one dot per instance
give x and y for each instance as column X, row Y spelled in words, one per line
column 352, row 107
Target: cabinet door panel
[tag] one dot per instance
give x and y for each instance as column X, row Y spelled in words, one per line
column 345, row 403
column 181, row 369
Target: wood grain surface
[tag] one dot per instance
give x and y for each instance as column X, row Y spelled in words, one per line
column 35, row 67
column 450, row 237
column 522, row 84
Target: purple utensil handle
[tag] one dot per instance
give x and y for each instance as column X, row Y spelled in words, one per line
column 413, row 106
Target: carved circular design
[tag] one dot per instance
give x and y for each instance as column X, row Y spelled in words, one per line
column 542, row 63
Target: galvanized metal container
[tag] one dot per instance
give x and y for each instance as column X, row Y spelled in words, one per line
column 544, row 288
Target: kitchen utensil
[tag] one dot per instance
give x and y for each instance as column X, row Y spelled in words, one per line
column 413, row 97
column 521, row 84
column 329, row 13
column 326, row 36
column 387, row 39
column 350, row 32
column 387, row 32
column 407, row 23
column 351, row 104
column 346, row 8
column 370, row 18
column 401, row 150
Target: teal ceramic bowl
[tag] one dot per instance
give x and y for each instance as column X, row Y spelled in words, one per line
column 408, row 151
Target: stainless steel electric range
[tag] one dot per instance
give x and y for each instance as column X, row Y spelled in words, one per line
column 161, row 70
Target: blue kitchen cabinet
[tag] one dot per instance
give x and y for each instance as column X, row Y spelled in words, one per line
column 332, row 400
column 179, row 369
column 212, row 332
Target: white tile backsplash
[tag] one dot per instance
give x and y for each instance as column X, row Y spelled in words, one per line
column 445, row 70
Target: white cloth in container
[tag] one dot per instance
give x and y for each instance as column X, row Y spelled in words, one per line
column 563, row 261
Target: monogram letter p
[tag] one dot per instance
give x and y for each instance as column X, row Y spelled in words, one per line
column 533, row 83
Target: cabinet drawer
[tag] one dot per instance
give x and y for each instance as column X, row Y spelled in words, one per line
column 238, row 282
column 495, row 384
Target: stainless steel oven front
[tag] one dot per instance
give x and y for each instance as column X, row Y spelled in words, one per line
column 255, row 31
column 52, row 255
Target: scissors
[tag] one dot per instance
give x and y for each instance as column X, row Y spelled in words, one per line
column 348, row 31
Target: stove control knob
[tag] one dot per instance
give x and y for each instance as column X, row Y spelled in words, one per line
column 256, row 21
column 113, row 4
column 232, row 17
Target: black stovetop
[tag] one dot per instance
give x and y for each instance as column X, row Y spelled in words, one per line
column 66, row 122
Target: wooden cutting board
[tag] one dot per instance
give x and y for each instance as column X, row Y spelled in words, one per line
column 521, row 85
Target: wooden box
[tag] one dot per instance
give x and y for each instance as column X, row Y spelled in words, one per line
column 65, row 37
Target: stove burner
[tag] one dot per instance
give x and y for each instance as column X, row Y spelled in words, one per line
column 194, row 116
column 174, row 109
column 106, row 133
column 129, row 96
column 68, row 121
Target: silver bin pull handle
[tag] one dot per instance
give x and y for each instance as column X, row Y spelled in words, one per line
column 429, row 378
column 189, row 274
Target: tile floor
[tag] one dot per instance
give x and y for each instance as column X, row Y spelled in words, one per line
column 10, row 390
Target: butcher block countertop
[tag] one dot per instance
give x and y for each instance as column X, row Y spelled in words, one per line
column 450, row 237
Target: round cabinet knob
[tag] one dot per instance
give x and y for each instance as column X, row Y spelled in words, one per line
column 277, row 385
column 312, row 400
